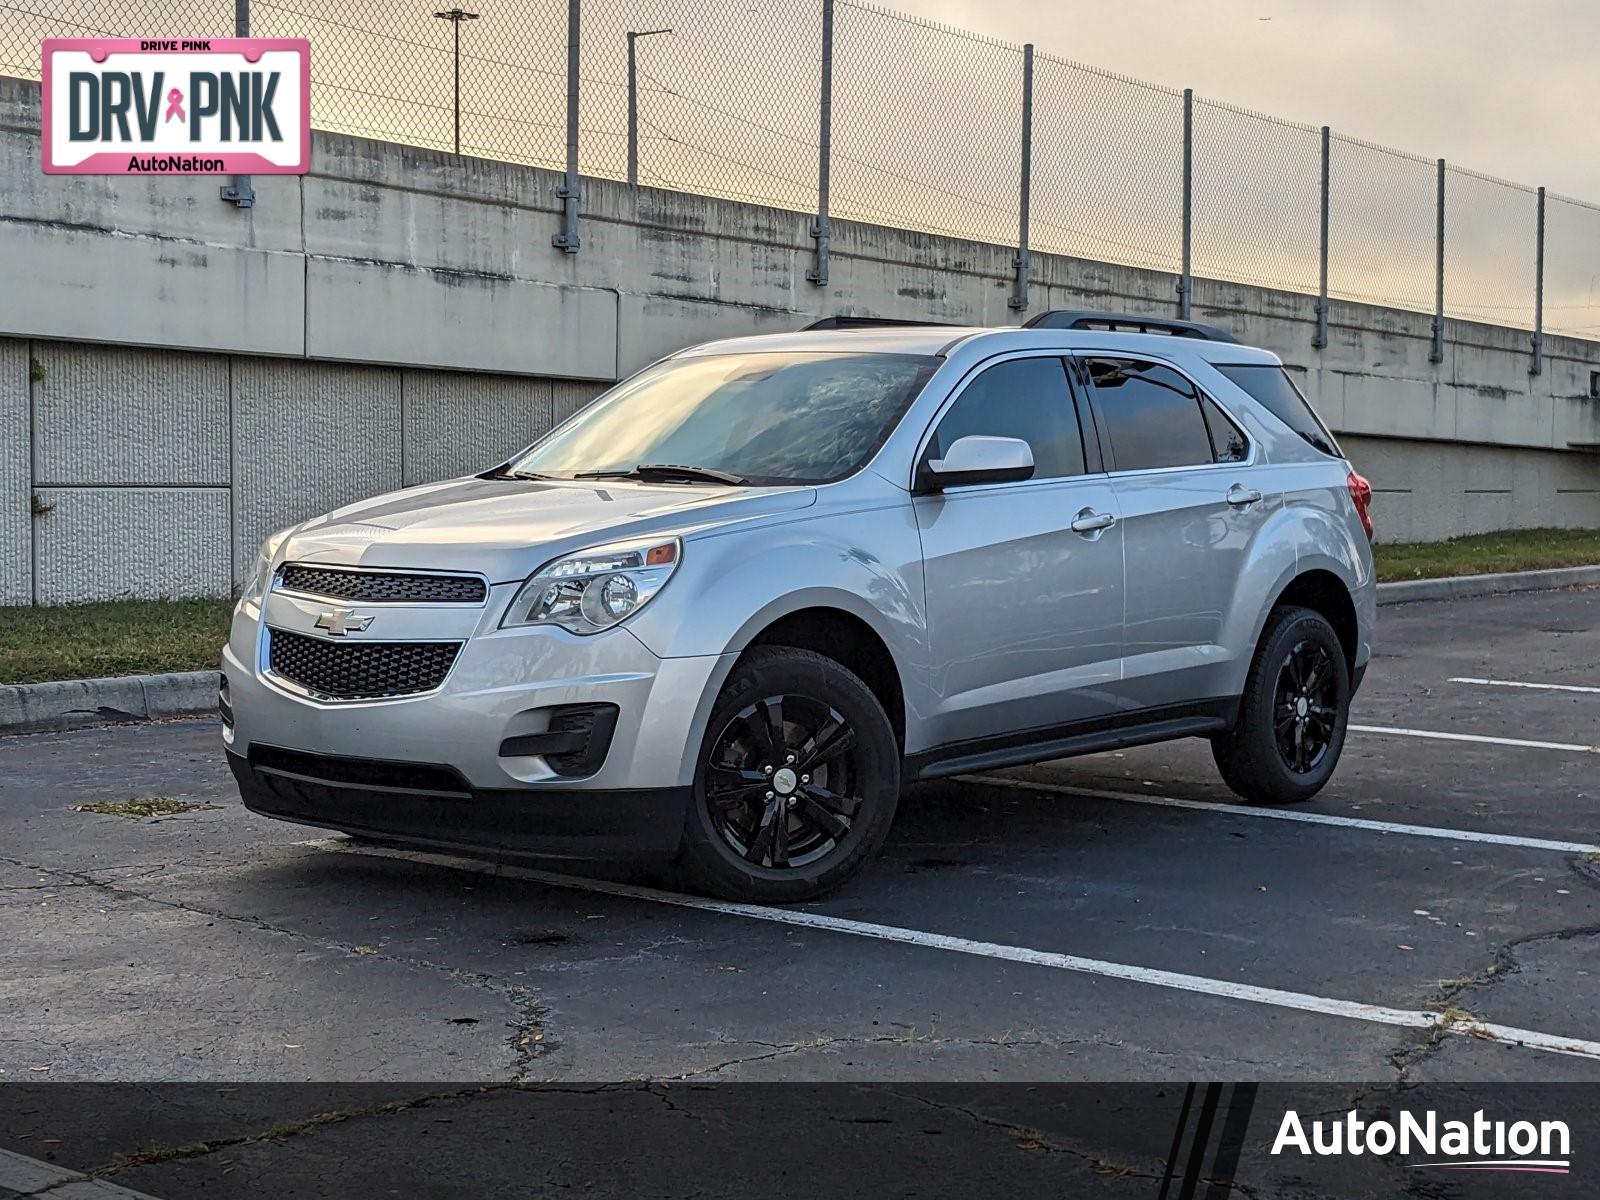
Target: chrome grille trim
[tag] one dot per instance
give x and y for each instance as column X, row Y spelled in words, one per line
column 372, row 585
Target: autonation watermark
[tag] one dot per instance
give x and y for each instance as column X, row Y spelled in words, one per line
column 1478, row 1144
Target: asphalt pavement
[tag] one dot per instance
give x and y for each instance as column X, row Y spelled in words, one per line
column 1433, row 915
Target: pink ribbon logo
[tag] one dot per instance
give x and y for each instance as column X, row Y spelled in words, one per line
column 175, row 105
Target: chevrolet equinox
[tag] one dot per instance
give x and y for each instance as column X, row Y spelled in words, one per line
column 719, row 616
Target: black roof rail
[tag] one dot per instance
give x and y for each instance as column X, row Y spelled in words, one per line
column 1062, row 318
column 840, row 322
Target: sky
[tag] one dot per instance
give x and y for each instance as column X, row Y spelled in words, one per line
column 1506, row 87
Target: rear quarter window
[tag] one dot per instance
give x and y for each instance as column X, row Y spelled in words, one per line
column 1270, row 386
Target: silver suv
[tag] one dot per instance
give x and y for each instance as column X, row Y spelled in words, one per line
column 720, row 615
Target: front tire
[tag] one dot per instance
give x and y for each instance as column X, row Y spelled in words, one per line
column 797, row 781
column 1292, row 718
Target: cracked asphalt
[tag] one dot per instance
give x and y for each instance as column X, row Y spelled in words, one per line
column 216, row 945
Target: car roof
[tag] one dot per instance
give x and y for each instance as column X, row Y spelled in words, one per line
column 898, row 339
column 980, row 342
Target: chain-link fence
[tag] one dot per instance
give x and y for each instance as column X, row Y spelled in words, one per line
column 1382, row 225
column 1257, row 198
column 1108, row 166
column 1572, row 267
column 716, row 96
column 926, row 129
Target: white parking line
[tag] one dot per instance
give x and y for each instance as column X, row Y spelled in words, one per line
column 1436, row 735
column 26, row 1177
column 1226, row 989
column 1543, row 687
column 1285, row 814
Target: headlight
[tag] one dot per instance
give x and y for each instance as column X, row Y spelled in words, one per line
column 594, row 589
column 255, row 584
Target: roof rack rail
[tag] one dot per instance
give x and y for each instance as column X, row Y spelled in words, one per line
column 1062, row 318
column 842, row 322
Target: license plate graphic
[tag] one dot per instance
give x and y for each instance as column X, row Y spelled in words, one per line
column 200, row 106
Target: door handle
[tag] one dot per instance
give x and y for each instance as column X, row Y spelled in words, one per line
column 1239, row 495
column 1089, row 521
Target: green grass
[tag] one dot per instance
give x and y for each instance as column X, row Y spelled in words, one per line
column 1485, row 553
column 120, row 637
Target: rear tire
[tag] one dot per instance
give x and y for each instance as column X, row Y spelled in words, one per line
column 796, row 784
column 1292, row 717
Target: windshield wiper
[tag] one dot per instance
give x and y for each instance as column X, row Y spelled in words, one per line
column 666, row 472
column 507, row 473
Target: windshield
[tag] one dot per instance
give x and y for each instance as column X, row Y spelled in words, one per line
column 766, row 418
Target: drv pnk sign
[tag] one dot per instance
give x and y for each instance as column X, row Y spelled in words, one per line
column 202, row 106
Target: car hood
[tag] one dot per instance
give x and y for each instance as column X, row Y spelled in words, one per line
column 506, row 528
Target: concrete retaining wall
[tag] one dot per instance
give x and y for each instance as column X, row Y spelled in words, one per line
column 179, row 376
column 1428, row 490
column 158, row 472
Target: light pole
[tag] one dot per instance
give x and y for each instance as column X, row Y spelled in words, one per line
column 455, row 16
column 633, row 101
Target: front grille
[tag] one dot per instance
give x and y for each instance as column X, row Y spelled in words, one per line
column 383, row 587
column 360, row 670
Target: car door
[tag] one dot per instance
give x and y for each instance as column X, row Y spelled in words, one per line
column 1024, row 612
column 1185, row 486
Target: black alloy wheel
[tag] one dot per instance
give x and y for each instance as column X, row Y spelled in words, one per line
column 796, row 784
column 1304, row 706
column 1286, row 740
column 780, row 781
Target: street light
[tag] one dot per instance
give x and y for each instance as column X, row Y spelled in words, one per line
column 633, row 102
column 455, row 16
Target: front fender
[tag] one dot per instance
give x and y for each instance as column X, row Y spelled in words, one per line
column 865, row 561
column 732, row 585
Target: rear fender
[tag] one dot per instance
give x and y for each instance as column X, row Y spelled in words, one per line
column 1324, row 542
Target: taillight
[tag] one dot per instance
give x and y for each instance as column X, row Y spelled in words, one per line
column 1361, row 493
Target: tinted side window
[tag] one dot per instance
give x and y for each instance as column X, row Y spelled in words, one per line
column 1151, row 414
column 1025, row 398
column 1272, row 388
column 1228, row 444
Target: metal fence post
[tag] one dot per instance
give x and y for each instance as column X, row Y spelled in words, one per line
column 633, row 109
column 633, row 99
column 819, row 230
column 455, row 16
column 1019, row 297
column 1536, row 367
column 1320, row 338
column 240, row 192
column 1186, row 279
column 567, row 239
column 456, row 102
column 1436, row 355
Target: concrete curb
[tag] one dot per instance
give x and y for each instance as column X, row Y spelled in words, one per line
column 1458, row 586
column 71, row 703
column 25, row 1177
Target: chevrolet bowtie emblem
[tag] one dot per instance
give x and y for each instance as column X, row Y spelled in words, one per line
column 340, row 621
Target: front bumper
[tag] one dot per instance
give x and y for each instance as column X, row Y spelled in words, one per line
column 501, row 692
column 373, row 798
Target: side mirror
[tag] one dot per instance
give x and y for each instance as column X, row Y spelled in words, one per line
column 978, row 459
